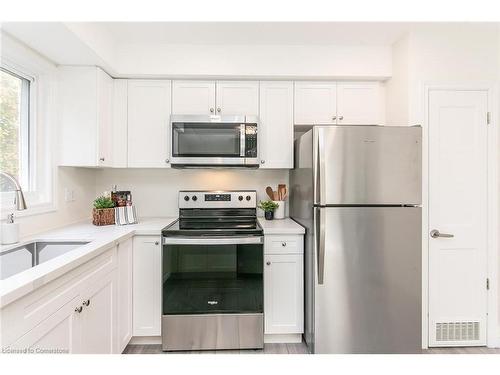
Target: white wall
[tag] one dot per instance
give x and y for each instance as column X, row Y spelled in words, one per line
column 155, row 191
column 277, row 61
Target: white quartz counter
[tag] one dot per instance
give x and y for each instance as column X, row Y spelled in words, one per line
column 101, row 239
column 281, row 226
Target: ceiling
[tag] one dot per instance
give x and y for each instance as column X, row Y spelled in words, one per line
column 288, row 33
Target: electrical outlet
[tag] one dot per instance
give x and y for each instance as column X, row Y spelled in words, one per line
column 69, row 195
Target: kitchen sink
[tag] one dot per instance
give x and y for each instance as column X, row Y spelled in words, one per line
column 31, row 254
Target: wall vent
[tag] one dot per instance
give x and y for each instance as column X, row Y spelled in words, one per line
column 457, row 331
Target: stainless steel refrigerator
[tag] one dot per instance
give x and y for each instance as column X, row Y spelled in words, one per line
column 357, row 190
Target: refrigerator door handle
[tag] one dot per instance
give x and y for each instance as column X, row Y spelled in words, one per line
column 320, row 235
column 320, row 173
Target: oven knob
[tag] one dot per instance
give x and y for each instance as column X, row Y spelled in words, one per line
column 195, row 198
column 248, row 197
column 240, row 198
column 186, row 198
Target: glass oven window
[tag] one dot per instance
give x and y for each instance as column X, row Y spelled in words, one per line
column 205, row 139
column 211, row 279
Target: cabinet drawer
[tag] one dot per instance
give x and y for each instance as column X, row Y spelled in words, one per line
column 24, row 314
column 278, row 244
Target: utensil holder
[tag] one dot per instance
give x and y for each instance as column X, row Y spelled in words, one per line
column 279, row 213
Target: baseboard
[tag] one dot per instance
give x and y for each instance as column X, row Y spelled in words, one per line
column 145, row 340
column 283, row 338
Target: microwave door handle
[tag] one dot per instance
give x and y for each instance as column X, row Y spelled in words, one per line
column 242, row 140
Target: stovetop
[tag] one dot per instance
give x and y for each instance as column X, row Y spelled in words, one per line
column 220, row 213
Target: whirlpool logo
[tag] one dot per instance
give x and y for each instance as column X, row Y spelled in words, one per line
column 212, row 303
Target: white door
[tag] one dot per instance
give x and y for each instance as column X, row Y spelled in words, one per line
column 120, row 123
column 59, row 333
column 237, row 98
column 147, row 286
column 193, row 97
column 105, row 118
column 458, row 206
column 98, row 316
column 124, row 309
column 315, row 103
column 283, row 296
column 359, row 103
column 148, row 123
column 276, row 125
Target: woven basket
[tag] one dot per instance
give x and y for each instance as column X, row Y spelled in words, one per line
column 103, row 216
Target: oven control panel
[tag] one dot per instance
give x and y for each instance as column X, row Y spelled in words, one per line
column 218, row 199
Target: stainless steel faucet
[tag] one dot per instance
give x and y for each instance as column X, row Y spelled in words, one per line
column 19, row 197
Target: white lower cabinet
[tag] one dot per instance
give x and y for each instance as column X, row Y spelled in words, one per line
column 124, row 305
column 283, row 285
column 147, row 286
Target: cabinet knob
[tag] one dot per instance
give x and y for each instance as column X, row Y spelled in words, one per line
column 218, row 109
column 101, row 159
column 79, row 309
column 157, row 243
column 86, row 302
column 268, row 263
column 262, row 162
column 334, row 118
column 283, row 244
column 341, row 118
column 211, row 110
column 167, row 161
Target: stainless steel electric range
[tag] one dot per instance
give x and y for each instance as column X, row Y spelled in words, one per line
column 212, row 268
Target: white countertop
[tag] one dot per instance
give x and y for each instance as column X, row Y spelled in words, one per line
column 101, row 238
column 281, row 226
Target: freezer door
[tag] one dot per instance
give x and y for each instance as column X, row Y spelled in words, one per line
column 367, row 280
column 360, row 165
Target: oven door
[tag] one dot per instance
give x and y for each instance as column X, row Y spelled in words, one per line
column 221, row 275
column 215, row 140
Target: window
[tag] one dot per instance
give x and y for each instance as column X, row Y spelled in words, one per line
column 15, row 133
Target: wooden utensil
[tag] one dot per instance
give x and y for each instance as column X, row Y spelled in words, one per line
column 281, row 191
column 270, row 192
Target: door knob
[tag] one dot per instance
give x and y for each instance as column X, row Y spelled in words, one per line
column 79, row 309
column 268, row 263
column 435, row 234
column 219, row 109
column 341, row 118
column 211, row 110
column 86, row 302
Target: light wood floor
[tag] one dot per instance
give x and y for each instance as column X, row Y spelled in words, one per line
column 292, row 349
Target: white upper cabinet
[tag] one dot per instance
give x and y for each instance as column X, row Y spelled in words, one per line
column 359, row 103
column 193, row 97
column 237, row 98
column 120, row 122
column 315, row 103
column 148, row 123
column 86, row 117
column 276, row 124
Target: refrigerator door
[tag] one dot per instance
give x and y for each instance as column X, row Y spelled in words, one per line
column 367, row 165
column 367, row 280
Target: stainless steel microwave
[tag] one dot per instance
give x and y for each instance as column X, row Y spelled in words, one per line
column 213, row 141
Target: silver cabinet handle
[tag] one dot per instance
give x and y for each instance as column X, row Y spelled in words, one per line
column 167, row 161
column 341, row 118
column 101, row 159
column 283, row 244
column 79, row 309
column 334, row 118
column 268, row 263
column 211, row 110
column 262, row 161
column 86, row 302
column 157, row 243
column 436, row 234
column 219, row 109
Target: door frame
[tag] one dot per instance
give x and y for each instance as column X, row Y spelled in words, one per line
column 493, row 327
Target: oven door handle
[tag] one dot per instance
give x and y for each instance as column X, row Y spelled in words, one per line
column 212, row 241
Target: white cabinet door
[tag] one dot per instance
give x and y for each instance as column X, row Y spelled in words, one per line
column 105, row 118
column 359, row 103
column 148, row 123
column 59, row 333
column 193, row 97
column 98, row 317
column 276, row 125
column 119, row 143
column 124, row 309
column 237, row 98
column 283, row 294
column 147, row 286
column 315, row 103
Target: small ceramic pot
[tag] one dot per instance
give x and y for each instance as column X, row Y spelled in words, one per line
column 269, row 215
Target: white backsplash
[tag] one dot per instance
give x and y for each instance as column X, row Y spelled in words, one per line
column 155, row 191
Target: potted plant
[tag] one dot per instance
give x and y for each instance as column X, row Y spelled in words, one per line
column 104, row 211
column 268, row 207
